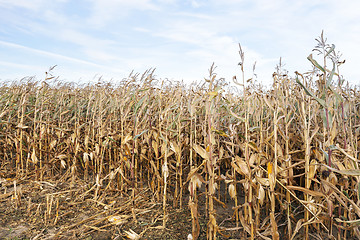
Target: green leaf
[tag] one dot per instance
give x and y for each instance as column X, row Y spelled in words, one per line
column 137, row 136
column 315, row 63
column 326, row 156
column 242, row 136
column 330, row 79
column 338, row 96
column 330, row 119
column 308, row 92
column 139, row 104
column 348, row 172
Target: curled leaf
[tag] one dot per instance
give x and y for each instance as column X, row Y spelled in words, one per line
column 315, row 63
column 201, row 151
column 240, row 166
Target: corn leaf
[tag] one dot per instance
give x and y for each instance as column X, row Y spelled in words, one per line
column 315, row 63
column 330, row 79
column 201, row 151
column 308, row 92
column 305, row 190
column 348, row 172
column 354, row 222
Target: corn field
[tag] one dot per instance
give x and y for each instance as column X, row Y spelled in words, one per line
column 284, row 160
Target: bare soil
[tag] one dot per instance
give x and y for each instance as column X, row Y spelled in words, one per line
column 78, row 209
column 50, row 210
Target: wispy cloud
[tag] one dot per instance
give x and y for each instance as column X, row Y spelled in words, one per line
column 50, row 54
column 180, row 38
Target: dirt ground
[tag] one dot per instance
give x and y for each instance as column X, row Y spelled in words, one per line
column 65, row 209
column 49, row 210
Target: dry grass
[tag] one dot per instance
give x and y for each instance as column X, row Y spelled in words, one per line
column 287, row 158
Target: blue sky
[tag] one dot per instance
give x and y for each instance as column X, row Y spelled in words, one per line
column 180, row 38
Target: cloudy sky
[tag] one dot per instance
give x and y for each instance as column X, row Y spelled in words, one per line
column 180, row 38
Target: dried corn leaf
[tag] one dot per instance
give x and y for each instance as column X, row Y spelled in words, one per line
column 61, row 156
column 53, row 144
column 305, row 190
column 263, row 181
column 338, row 163
column 269, row 103
column 312, row 168
column 253, row 159
column 155, row 168
column 240, row 166
column 174, row 147
column 253, row 146
column 261, row 195
column 299, row 224
column 236, row 116
column 351, row 222
column 201, row 151
column 274, row 227
column 244, row 224
column 127, row 138
column 345, row 153
column 63, row 163
column 342, row 195
column 155, row 146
